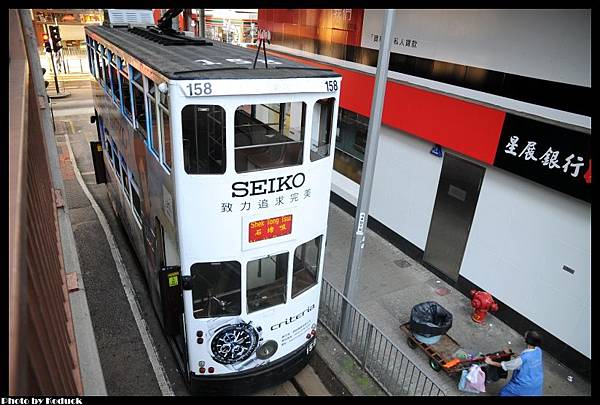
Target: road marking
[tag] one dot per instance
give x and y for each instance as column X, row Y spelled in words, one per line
column 159, row 371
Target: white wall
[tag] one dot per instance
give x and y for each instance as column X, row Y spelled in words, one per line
column 547, row 44
column 522, row 235
column 405, row 184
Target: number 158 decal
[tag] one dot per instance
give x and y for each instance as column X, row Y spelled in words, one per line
column 331, row 85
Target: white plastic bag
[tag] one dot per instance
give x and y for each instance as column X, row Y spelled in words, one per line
column 476, row 378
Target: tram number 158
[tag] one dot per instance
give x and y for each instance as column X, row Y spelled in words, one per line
column 199, row 89
column 331, row 85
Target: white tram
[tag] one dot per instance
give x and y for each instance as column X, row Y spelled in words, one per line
column 220, row 172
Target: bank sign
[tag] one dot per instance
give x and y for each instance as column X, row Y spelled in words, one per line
column 556, row 157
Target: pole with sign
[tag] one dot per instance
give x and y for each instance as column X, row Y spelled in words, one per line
column 366, row 183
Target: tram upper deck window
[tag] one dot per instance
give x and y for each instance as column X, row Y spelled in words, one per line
column 306, row 266
column 125, row 88
column 269, row 136
column 322, row 128
column 203, row 128
column 216, row 289
column 266, row 282
column 139, row 106
column 114, row 79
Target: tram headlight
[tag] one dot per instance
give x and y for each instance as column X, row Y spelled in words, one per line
column 163, row 88
column 266, row 350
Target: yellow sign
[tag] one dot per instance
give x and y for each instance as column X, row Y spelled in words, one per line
column 173, row 279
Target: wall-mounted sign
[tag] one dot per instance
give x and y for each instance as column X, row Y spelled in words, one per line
column 556, row 157
column 269, row 228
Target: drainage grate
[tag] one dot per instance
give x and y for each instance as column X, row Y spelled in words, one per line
column 402, row 263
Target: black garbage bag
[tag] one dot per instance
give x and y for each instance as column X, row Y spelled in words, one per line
column 430, row 319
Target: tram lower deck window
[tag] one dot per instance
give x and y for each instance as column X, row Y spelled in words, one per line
column 203, row 128
column 269, row 136
column 306, row 266
column 266, row 281
column 216, row 289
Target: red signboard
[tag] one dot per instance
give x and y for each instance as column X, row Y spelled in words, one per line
column 270, row 228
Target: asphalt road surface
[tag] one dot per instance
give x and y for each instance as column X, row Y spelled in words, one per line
column 135, row 356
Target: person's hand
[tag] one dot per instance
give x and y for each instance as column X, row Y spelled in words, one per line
column 488, row 360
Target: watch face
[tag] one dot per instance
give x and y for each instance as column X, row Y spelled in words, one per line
column 234, row 343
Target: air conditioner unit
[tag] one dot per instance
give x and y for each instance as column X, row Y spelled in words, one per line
column 115, row 16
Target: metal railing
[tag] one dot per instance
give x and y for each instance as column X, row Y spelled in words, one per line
column 373, row 350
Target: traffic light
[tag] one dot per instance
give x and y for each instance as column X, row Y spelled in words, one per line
column 55, row 35
column 47, row 43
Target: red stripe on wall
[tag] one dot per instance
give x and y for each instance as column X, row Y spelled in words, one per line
column 468, row 128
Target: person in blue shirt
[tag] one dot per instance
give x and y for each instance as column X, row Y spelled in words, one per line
column 528, row 369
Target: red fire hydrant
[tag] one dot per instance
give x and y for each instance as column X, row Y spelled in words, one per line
column 482, row 302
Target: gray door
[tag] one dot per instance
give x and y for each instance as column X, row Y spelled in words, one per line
column 457, row 194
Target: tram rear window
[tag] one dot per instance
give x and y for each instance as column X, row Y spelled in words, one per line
column 269, row 136
column 203, row 128
column 267, row 279
column 216, row 289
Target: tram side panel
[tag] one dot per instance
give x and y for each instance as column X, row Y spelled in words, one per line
column 149, row 176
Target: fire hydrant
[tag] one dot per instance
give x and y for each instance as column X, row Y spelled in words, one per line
column 482, row 302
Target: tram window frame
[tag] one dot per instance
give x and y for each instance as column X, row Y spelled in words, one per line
column 166, row 142
column 125, row 177
column 115, row 161
column 271, row 293
column 305, row 275
column 108, row 80
column 138, row 88
column 217, row 285
column 322, row 129
column 194, row 119
column 268, row 145
column 114, row 76
column 125, row 89
column 100, row 62
column 136, row 201
column 90, row 53
column 153, row 124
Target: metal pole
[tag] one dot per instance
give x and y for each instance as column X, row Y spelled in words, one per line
column 366, row 182
column 202, row 25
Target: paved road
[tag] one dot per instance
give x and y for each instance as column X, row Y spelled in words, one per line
column 125, row 353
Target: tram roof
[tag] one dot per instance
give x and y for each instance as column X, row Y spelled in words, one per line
column 179, row 62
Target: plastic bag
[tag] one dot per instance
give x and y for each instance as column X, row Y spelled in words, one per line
column 464, row 385
column 430, row 319
column 476, row 378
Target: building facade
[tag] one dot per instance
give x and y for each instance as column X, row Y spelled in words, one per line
column 483, row 170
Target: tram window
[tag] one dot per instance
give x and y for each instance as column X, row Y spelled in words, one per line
column 105, row 63
column 266, row 281
column 139, row 106
column 115, row 160
column 125, row 177
column 268, row 136
column 154, row 135
column 216, row 289
column 203, row 128
column 166, row 136
column 114, row 79
column 322, row 128
column 100, row 61
column 135, row 199
column 306, row 266
column 126, row 89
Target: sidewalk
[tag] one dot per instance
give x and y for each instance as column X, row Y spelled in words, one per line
column 391, row 283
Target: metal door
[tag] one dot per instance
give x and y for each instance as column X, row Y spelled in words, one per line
column 455, row 203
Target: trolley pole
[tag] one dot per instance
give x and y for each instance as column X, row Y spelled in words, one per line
column 366, row 182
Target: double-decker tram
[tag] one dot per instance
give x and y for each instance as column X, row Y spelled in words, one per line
column 219, row 167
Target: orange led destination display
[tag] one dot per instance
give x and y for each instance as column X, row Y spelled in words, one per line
column 270, row 228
